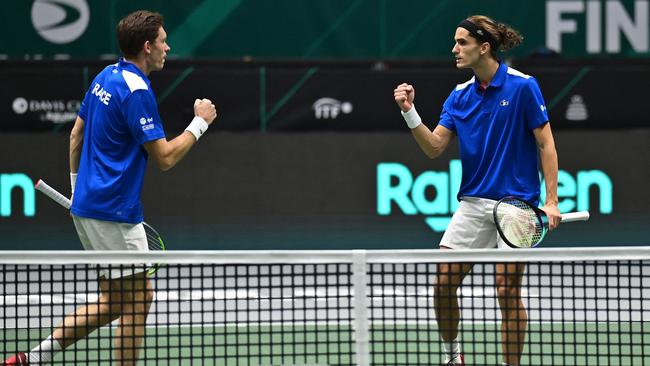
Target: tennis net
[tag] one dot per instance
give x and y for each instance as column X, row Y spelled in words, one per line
column 585, row 306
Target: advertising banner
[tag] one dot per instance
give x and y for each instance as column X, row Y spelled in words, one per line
column 324, row 191
column 283, row 97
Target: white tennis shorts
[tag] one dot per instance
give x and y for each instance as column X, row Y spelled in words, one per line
column 472, row 226
column 107, row 235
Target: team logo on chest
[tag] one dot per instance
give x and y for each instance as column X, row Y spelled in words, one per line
column 504, row 102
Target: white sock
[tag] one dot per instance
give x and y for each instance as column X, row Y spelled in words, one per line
column 452, row 350
column 44, row 352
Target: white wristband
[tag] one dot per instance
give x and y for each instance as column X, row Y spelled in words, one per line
column 412, row 117
column 73, row 181
column 197, row 127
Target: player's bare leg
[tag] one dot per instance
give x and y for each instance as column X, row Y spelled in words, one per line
column 449, row 278
column 509, row 277
column 87, row 319
column 81, row 322
column 136, row 298
column 127, row 298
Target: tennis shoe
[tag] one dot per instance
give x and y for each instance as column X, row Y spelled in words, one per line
column 17, row 360
column 456, row 362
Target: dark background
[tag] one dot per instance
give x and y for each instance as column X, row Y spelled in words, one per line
column 279, row 96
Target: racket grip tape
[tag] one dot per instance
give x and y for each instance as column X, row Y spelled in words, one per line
column 575, row 216
column 53, row 194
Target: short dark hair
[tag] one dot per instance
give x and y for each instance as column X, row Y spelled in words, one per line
column 135, row 29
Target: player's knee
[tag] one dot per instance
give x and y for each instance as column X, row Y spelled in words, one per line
column 114, row 307
column 148, row 297
column 141, row 299
column 138, row 297
column 111, row 304
column 116, row 312
column 507, row 291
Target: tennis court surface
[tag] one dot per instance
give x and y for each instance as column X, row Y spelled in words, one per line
column 586, row 306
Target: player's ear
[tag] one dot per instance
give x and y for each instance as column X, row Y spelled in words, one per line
column 147, row 47
column 485, row 48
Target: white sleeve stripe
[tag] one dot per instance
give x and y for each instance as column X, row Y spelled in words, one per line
column 465, row 84
column 134, row 81
column 512, row 71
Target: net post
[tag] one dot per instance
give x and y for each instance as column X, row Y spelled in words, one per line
column 361, row 331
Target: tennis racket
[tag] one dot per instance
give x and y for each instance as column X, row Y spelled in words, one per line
column 154, row 240
column 522, row 225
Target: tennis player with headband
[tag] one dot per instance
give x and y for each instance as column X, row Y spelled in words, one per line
column 117, row 129
column 502, row 126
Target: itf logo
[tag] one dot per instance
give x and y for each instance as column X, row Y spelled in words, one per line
column 397, row 188
column 60, row 21
column 330, row 108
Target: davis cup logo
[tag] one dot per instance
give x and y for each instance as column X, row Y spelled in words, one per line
column 60, row 21
column 20, row 105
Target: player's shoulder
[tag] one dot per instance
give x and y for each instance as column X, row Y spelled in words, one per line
column 463, row 86
column 460, row 92
column 516, row 74
column 125, row 79
column 134, row 81
column 517, row 77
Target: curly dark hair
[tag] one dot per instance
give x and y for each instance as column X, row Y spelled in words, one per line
column 506, row 36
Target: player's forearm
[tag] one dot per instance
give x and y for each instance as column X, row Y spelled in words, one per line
column 430, row 143
column 76, row 143
column 168, row 153
column 176, row 150
column 548, row 157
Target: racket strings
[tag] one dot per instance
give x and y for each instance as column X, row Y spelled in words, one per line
column 519, row 223
column 154, row 241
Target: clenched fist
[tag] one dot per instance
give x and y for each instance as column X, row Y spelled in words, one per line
column 205, row 109
column 404, row 96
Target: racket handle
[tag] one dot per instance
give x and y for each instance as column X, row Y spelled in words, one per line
column 575, row 216
column 53, row 194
